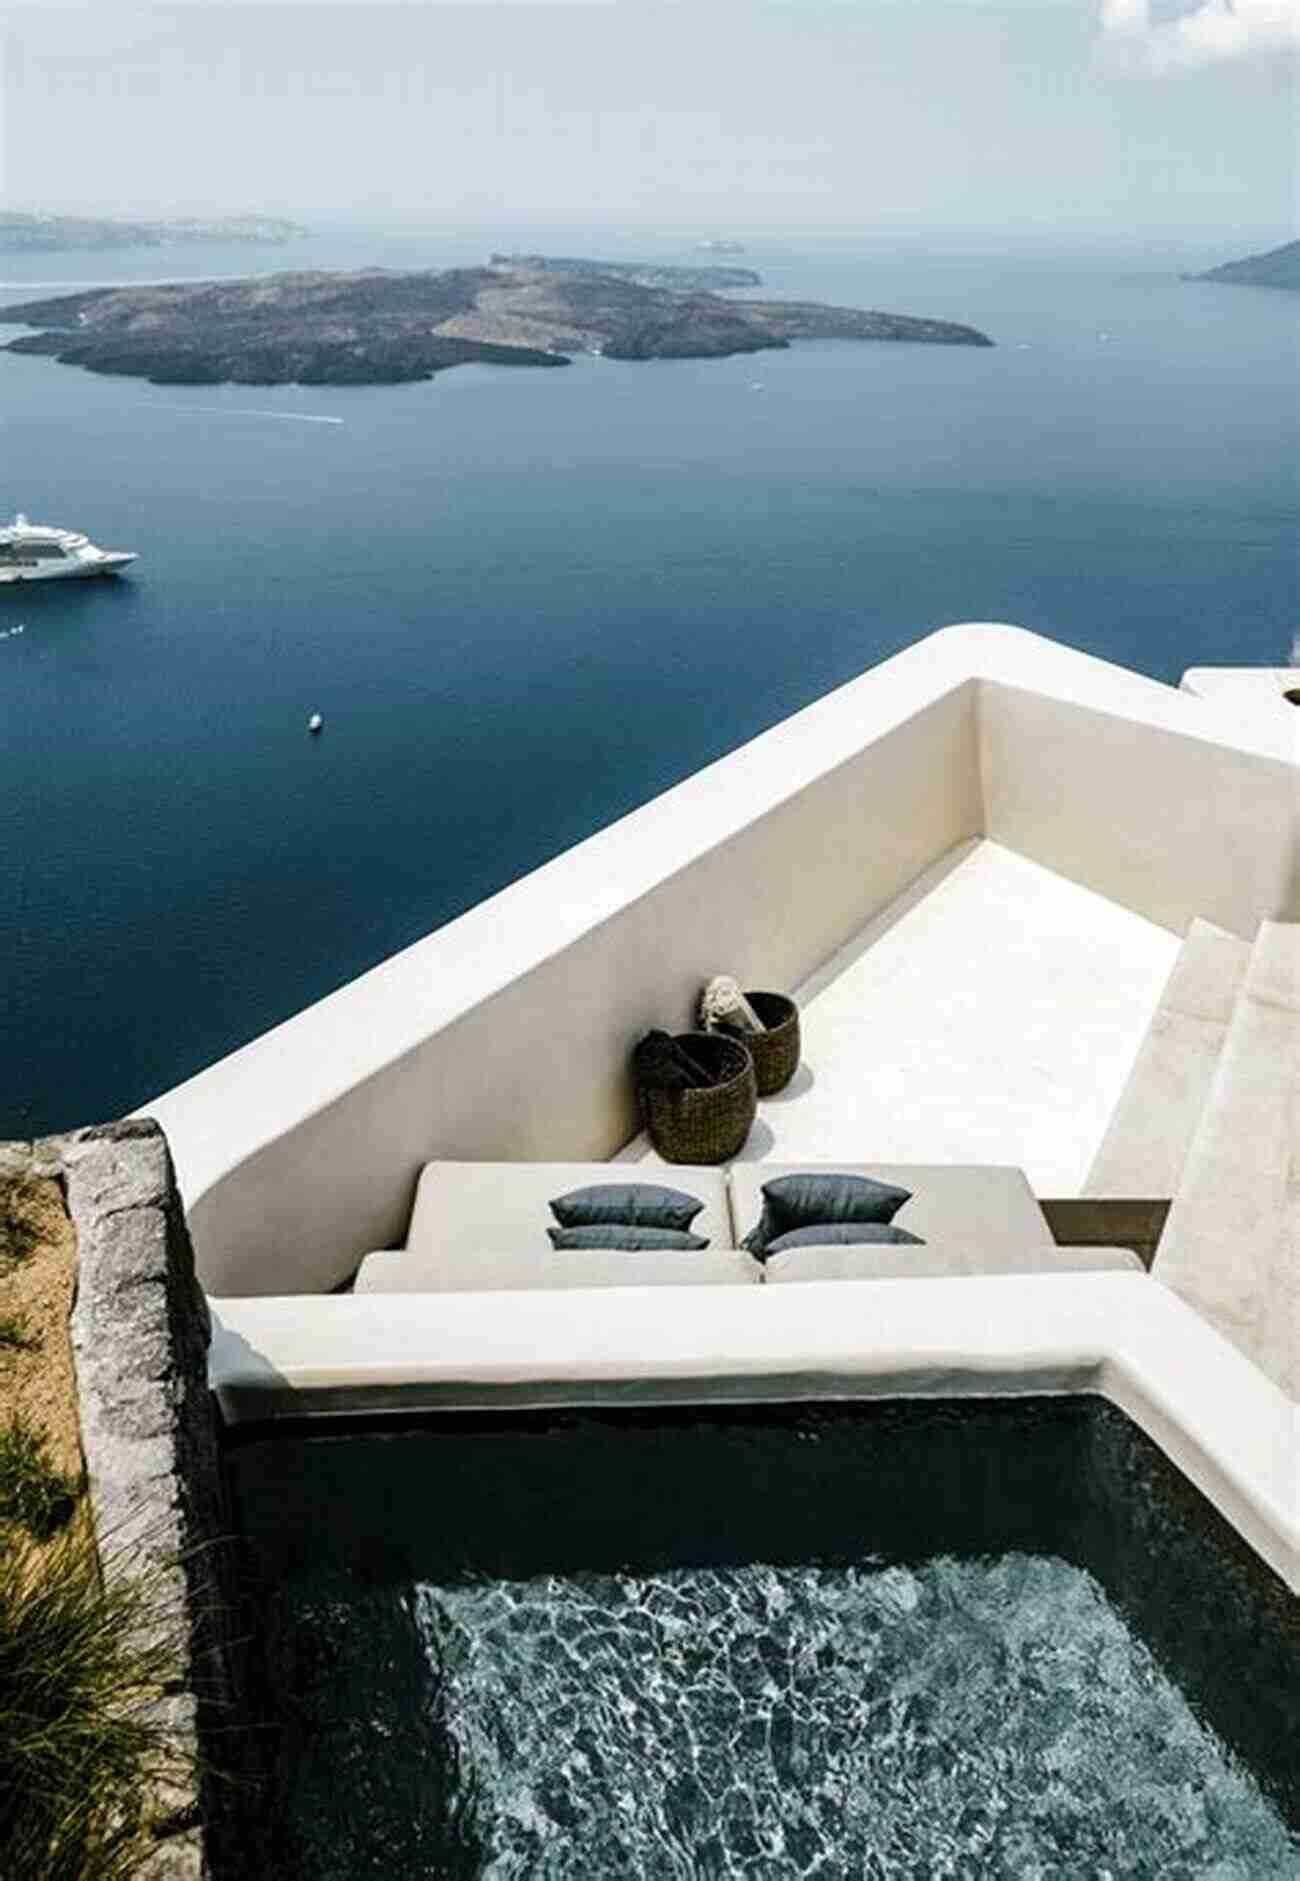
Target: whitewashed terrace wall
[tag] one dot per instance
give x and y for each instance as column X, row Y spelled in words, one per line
column 1169, row 825
column 535, row 1067
column 506, row 1033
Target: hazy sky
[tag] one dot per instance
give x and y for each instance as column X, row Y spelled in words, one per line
column 1054, row 117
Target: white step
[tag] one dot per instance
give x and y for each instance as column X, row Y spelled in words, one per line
column 1231, row 1245
column 1151, row 1129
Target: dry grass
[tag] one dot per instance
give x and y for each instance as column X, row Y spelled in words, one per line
column 83, row 1744
column 38, row 1273
column 84, row 1652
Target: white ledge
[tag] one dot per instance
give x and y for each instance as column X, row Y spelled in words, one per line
column 226, row 1114
column 1122, row 1336
column 1254, row 700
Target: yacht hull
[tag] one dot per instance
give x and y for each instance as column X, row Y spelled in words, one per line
column 78, row 571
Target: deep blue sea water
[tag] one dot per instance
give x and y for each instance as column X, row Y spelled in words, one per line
column 527, row 601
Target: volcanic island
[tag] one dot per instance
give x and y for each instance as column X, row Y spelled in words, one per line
column 1277, row 267
column 383, row 326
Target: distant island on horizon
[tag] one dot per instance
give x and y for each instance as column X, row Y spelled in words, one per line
column 383, row 326
column 30, row 233
column 1276, row 267
column 702, row 279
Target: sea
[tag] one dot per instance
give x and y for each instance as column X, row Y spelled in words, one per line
column 525, row 602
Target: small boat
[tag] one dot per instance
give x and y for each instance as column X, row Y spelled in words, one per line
column 33, row 552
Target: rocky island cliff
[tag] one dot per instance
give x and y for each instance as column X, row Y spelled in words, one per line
column 703, row 278
column 381, row 327
column 1277, row 267
column 23, row 233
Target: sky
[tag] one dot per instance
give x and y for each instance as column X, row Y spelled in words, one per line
column 1060, row 119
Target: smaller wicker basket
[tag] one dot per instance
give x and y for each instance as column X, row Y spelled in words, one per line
column 708, row 1125
column 776, row 1051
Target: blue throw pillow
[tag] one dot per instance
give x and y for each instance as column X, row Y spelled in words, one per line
column 813, row 1199
column 634, row 1204
column 612, row 1234
column 844, row 1234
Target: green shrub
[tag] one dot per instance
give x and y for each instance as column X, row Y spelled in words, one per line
column 16, row 1334
column 33, row 1493
column 19, row 1234
column 82, row 1750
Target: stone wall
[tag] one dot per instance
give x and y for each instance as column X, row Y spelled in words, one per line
column 140, row 1332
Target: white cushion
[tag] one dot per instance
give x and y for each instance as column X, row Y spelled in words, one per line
column 406, row 1270
column 493, row 1205
column 481, row 1226
column 943, row 1263
column 959, row 1202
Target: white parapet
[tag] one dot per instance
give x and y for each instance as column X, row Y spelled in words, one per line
column 505, row 1034
column 1229, row 1429
column 1263, row 701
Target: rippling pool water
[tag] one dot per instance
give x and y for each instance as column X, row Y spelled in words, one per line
column 962, row 1718
column 929, row 1639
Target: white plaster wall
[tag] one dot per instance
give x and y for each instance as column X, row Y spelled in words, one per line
column 1118, row 1334
column 1253, row 697
column 506, row 1033
column 1163, row 814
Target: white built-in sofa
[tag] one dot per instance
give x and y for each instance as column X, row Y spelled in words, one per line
column 481, row 1227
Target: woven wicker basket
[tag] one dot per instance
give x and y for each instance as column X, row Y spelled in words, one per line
column 709, row 1125
column 775, row 1052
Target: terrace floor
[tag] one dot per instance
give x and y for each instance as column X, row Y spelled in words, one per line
column 989, row 1015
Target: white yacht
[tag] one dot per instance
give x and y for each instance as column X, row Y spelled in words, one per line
column 34, row 552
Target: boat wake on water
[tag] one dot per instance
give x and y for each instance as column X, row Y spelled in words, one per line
column 244, row 411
